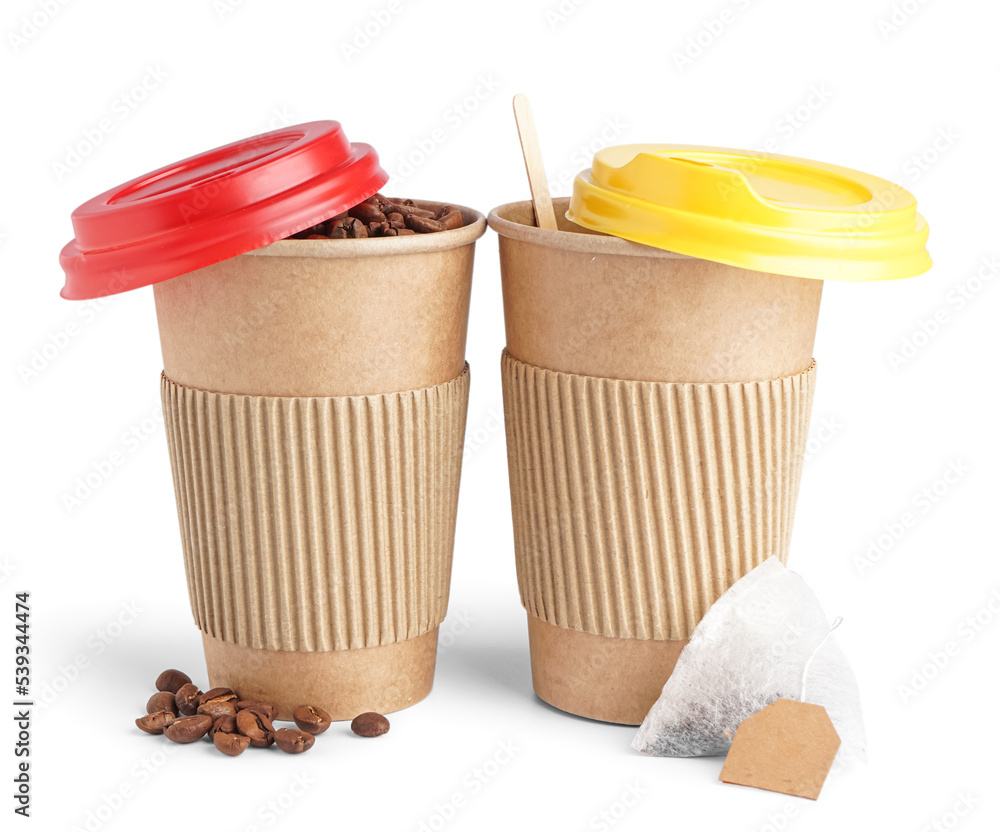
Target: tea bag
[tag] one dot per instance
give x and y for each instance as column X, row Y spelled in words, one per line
column 766, row 639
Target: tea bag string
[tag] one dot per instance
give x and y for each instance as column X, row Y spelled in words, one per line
column 805, row 670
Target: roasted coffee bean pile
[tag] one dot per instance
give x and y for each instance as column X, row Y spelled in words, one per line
column 382, row 216
column 183, row 714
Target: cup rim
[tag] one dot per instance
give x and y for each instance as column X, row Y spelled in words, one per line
column 584, row 240
column 474, row 228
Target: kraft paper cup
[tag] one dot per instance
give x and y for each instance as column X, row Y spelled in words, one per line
column 656, row 409
column 315, row 394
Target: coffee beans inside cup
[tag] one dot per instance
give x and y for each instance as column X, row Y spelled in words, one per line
column 382, row 216
column 183, row 714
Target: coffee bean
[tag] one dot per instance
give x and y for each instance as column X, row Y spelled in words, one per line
column 155, row 723
column 379, row 216
column 367, row 212
column 370, row 725
column 162, row 701
column 217, row 708
column 423, row 225
column 293, row 741
column 355, row 228
column 187, row 699
column 188, row 728
column 232, row 745
column 256, row 726
column 311, row 719
column 266, row 708
column 384, row 204
column 224, row 725
column 172, row 680
column 218, row 695
column 451, row 220
column 411, row 210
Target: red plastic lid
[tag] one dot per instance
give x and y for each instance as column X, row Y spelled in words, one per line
column 216, row 205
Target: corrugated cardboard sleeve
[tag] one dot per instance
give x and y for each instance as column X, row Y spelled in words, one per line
column 637, row 504
column 317, row 524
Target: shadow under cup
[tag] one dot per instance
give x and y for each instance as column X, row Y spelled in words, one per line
column 315, row 394
column 656, row 410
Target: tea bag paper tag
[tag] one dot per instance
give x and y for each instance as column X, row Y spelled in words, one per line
column 787, row 747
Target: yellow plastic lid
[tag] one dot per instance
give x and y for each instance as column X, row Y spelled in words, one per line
column 758, row 211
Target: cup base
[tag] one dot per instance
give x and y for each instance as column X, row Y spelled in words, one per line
column 599, row 677
column 346, row 683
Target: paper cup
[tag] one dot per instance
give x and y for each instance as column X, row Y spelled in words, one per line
column 656, row 409
column 315, row 394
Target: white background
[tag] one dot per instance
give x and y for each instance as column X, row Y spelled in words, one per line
column 839, row 82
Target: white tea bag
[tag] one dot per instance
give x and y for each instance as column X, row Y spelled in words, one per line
column 767, row 638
